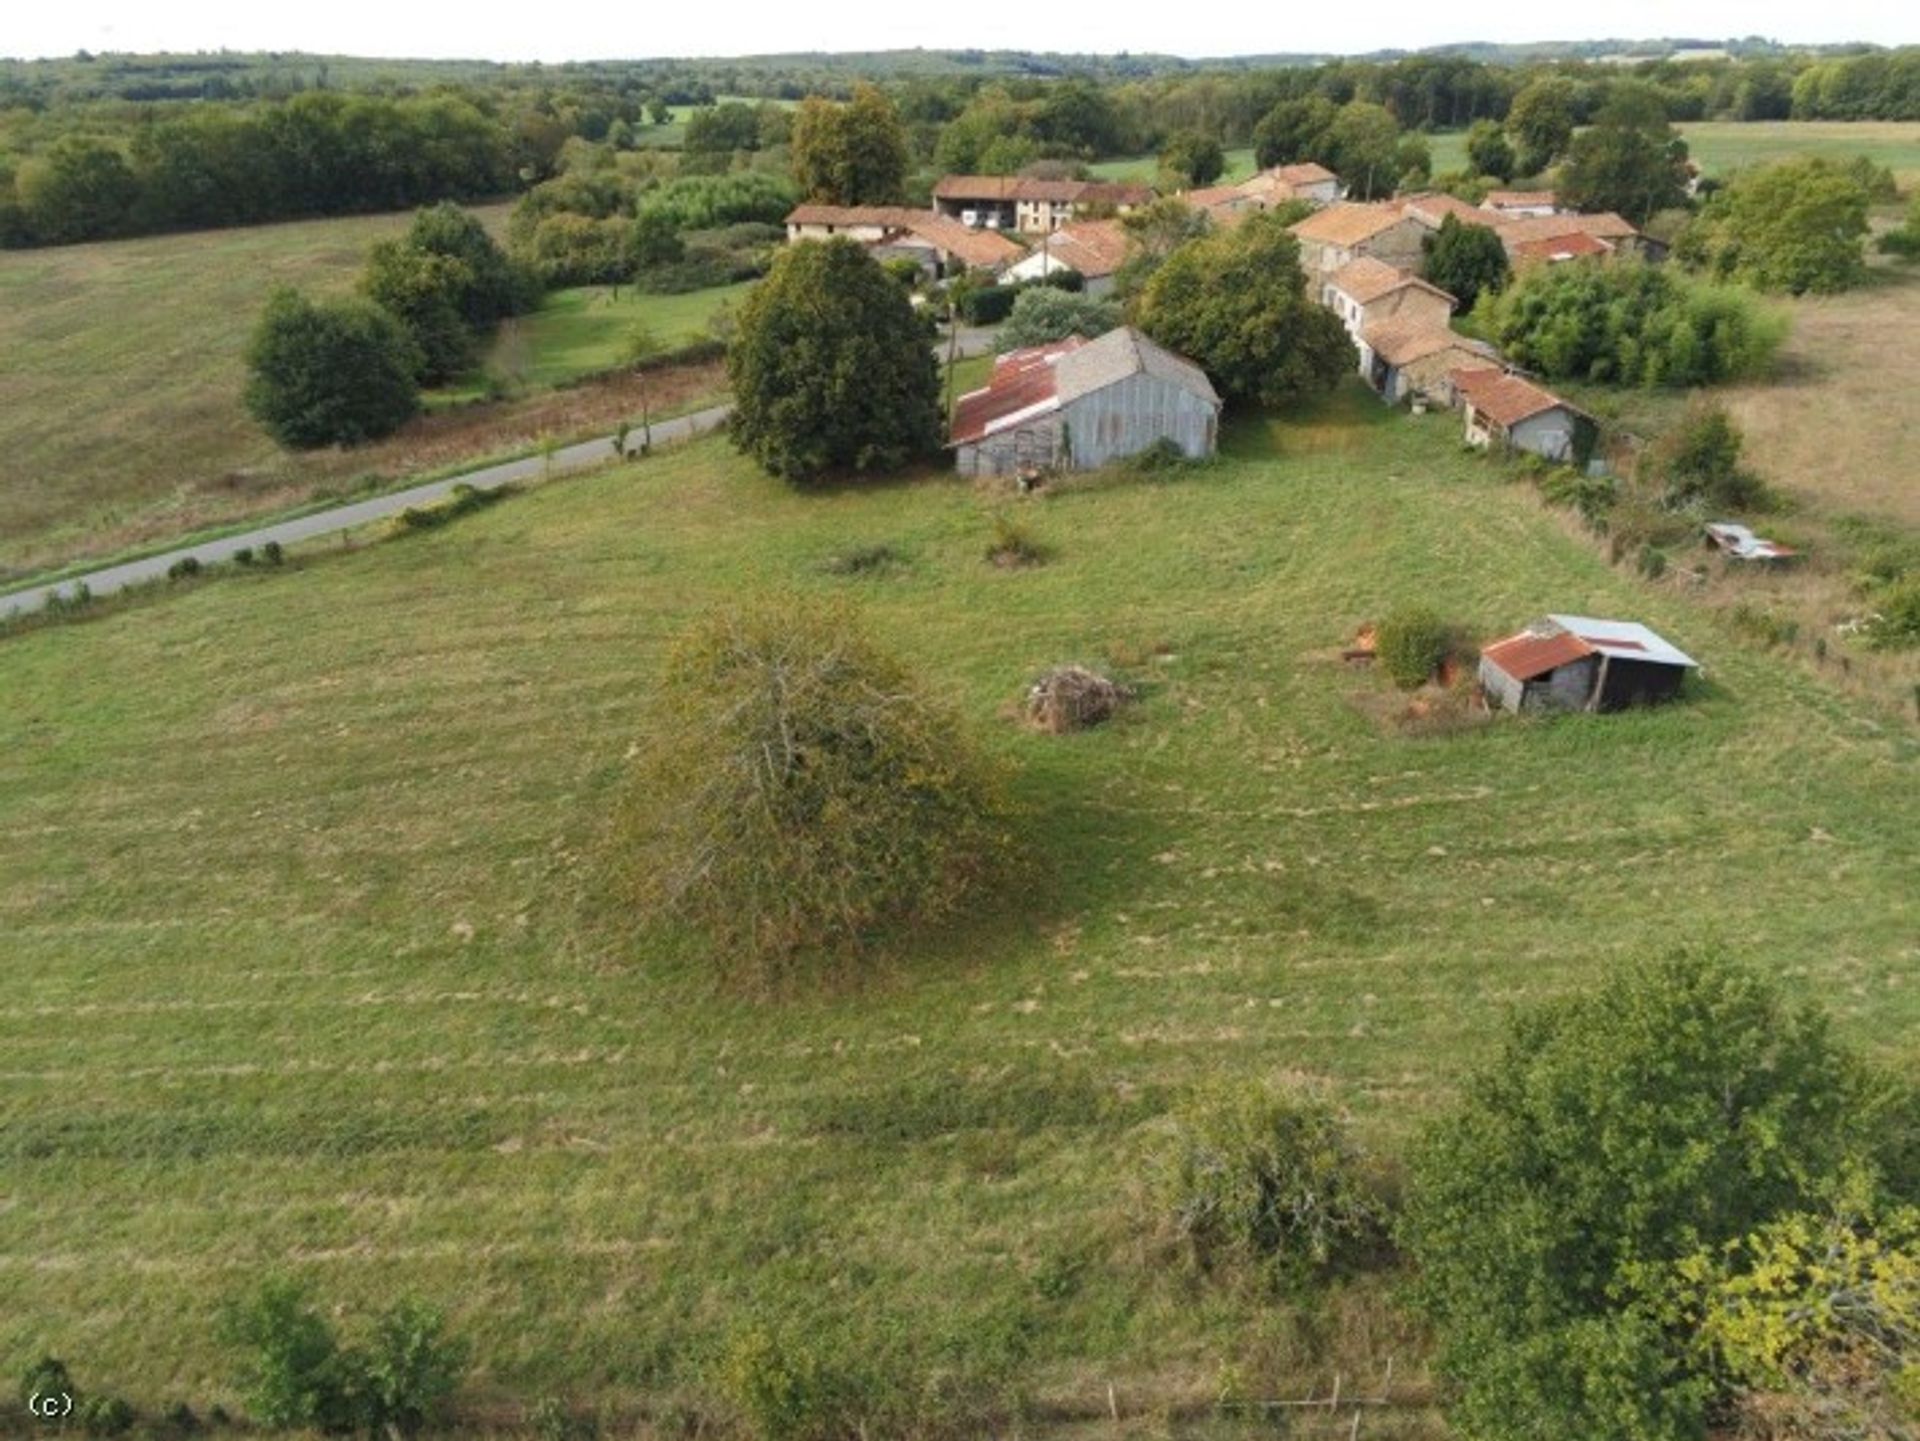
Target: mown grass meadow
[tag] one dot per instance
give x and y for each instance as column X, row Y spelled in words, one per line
column 310, row 967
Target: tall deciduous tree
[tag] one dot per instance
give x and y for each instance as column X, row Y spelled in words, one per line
column 1193, row 157
column 1540, row 123
column 851, row 154
column 1466, row 260
column 1235, row 302
column 333, row 373
column 1363, row 147
column 1797, row 226
column 1292, row 131
column 1631, row 160
column 1489, row 152
column 831, row 369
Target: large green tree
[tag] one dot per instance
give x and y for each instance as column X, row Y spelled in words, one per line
column 832, row 371
column 1630, row 160
column 422, row 291
column 330, row 373
column 1046, row 313
column 851, row 154
column 1193, row 157
column 1363, row 148
column 1235, row 302
column 1466, row 260
column 1797, row 226
column 1489, row 152
column 1540, row 123
column 1293, row 130
column 1672, row 1109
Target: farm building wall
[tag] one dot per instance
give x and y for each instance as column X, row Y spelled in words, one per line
column 1130, row 415
column 1550, row 433
column 1639, row 682
column 1108, row 424
column 1566, row 687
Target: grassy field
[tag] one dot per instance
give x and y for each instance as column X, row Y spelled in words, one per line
column 1722, row 145
column 584, row 330
column 1146, row 168
column 121, row 372
column 308, row 969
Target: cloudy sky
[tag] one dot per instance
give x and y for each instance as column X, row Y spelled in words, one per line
column 737, row 27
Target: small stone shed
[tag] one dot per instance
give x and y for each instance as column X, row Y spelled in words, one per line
column 1578, row 662
column 1506, row 410
column 1080, row 404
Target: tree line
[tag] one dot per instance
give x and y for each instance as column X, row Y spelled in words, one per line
column 86, row 169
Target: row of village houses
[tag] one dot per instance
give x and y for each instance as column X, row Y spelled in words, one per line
column 1080, row 403
column 1361, row 262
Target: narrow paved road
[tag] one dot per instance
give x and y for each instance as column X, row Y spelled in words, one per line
column 356, row 513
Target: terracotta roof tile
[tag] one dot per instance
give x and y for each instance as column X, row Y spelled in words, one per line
column 1503, row 398
column 1403, row 341
column 1430, row 208
column 1095, row 248
column 1304, row 173
column 1571, row 246
column 1348, row 224
column 1513, row 199
column 1364, row 280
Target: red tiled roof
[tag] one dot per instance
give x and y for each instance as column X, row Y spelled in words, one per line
column 1095, row 248
column 1403, row 341
column 1002, row 189
column 1504, row 399
column 1528, row 654
column 1572, row 245
column 1603, row 226
column 1515, row 199
column 896, row 217
column 1021, row 380
column 977, row 247
column 1348, row 224
column 1305, row 173
column 1430, row 208
column 1364, row 280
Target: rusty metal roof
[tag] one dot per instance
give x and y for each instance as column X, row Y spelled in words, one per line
column 1531, row 653
column 1024, row 383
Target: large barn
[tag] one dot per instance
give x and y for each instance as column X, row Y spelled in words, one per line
column 1078, row 404
column 1579, row 662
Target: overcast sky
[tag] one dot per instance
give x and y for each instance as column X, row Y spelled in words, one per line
column 509, row 31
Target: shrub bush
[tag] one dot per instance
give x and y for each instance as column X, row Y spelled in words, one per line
column 1043, row 314
column 1268, row 1180
column 1410, row 645
column 784, row 1389
column 331, row 372
column 1014, row 544
column 804, row 793
column 185, row 568
column 297, row 1375
column 46, row 1377
column 300, row 1375
column 409, row 1371
column 1628, row 323
column 105, row 1416
column 1897, row 608
column 986, row 305
column 1673, row 1108
column 273, row 553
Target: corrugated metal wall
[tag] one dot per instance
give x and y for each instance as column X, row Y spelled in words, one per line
column 1129, row 416
column 1114, row 422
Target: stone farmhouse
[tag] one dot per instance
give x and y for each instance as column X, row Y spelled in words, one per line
column 1030, row 206
column 1093, row 248
column 1345, row 232
column 940, row 246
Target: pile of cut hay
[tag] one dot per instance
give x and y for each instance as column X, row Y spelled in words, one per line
column 1073, row 698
